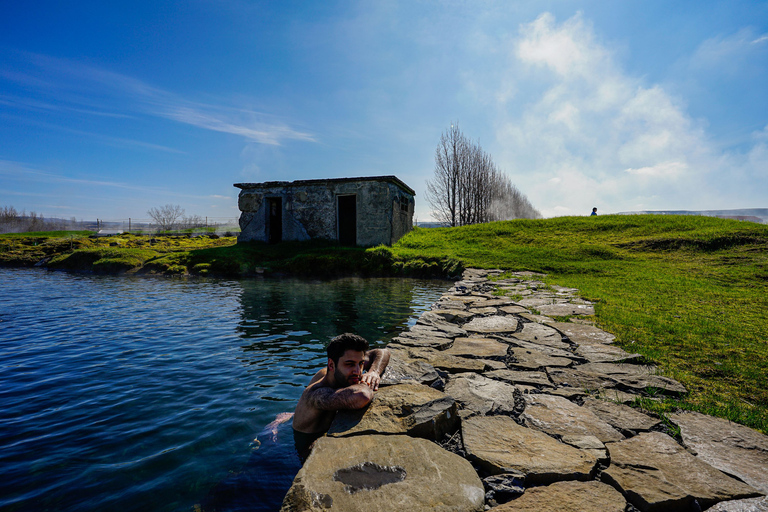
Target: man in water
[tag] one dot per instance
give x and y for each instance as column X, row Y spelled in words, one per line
column 348, row 381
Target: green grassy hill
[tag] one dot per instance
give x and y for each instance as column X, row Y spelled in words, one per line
column 689, row 293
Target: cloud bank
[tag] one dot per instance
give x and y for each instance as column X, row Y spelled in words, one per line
column 589, row 134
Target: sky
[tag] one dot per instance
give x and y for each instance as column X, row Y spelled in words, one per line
column 108, row 109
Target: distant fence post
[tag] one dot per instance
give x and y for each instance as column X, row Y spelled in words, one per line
column 129, row 224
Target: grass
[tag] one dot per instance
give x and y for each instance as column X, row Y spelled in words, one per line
column 688, row 293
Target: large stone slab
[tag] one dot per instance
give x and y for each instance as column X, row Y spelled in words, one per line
column 499, row 445
column 595, row 353
column 482, row 395
column 656, row 473
column 568, row 309
column 492, row 324
column 527, row 359
column 513, row 310
column 541, row 334
column 419, row 330
column 495, row 303
column 536, row 302
column 401, row 370
column 545, row 349
column 621, row 417
column 479, row 348
column 748, row 505
column 583, row 334
column 447, row 362
column 577, row 378
column 412, row 409
column 568, row 496
column 382, row 474
column 558, row 416
column 417, row 339
column 730, row 447
column 436, row 322
column 453, row 315
column 520, row 377
column 635, row 376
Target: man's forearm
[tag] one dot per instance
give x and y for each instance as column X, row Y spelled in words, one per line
column 379, row 359
column 328, row 399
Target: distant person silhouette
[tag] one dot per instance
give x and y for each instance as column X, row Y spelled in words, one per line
column 594, row 211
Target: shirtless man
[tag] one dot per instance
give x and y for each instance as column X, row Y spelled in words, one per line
column 348, row 381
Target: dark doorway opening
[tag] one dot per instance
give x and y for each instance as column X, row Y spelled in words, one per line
column 275, row 219
column 347, row 212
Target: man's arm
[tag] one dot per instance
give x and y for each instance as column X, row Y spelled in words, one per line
column 375, row 364
column 328, row 399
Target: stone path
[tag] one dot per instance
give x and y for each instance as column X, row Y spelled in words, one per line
column 489, row 403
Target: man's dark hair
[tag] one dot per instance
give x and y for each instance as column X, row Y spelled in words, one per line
column 344, row 342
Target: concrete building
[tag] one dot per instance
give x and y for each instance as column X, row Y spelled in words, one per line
column 354, row 211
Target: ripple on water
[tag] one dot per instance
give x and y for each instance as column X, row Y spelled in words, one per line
column 147, row 394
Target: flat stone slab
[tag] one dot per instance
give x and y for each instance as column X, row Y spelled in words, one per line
column 621, row 417
column 590, row 444
column 636, row 376
column 419, row 330
column 478, row 348
column 436, row 322
column 545, row 349
column 729, row 447
column 527, row 359
column 568, row 309
column 401, row 370
column 447, row 362
column 499, row 445
column 656, row 473
column 412, row 409
column 558, row 416
column 749, row 505
column 453, row 315
column 590, row 496
column 484, row 311
column 382, row 474
column 541, row 334
column 578, row 378
column 583, row 334
column 482, row 395
column 520, row 377
column 415, row 339
column 536, row 302
column 513, row 310
column 492, row 324
column 606, row 354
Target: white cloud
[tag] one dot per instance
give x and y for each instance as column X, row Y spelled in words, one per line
column 593, row 135
column 95, row 91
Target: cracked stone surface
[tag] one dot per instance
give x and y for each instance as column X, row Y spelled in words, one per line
column 656, row 473
column 568, row 496
column 454, row 487
column 497, row 445
column 482, row 395
column 492, row 324
column 558, row 416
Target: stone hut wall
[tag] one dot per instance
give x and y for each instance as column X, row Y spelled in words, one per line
column 309, row 209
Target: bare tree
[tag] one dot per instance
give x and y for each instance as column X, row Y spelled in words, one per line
column 166, row 217
column 468, row 187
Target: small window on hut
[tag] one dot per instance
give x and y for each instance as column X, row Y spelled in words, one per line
column 403, row 204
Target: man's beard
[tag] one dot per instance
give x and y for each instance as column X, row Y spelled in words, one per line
column 341, row 379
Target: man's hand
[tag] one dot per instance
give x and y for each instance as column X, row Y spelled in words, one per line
column 371, row 378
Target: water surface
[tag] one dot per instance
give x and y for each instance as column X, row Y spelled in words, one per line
column 152, row 394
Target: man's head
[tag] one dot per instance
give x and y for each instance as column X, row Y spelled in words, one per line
column 594, row 210
column 346, row 357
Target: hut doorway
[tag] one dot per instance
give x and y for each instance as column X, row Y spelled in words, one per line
column 347, row 219
column 275, row 219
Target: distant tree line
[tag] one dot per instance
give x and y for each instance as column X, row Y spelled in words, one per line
column 11, row 221
column 171, row 217
column 468, row 187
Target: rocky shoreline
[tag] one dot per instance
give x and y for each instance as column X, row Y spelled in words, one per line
column 490, row 403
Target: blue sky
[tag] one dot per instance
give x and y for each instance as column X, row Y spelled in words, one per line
column 110, row 108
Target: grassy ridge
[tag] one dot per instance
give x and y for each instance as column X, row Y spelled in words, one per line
column 690, row 293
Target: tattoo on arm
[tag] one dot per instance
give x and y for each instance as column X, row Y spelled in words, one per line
column 328, row 399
